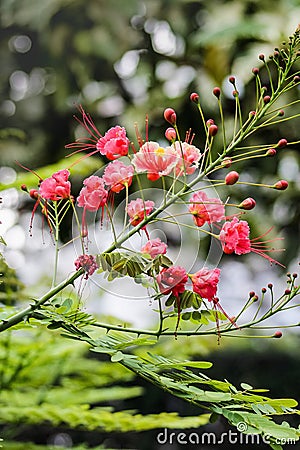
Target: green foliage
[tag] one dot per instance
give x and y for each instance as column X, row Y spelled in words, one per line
column 48, row 380
column 11, row 288
column 239, row 406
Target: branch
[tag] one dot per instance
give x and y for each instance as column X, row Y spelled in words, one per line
column 25, row 313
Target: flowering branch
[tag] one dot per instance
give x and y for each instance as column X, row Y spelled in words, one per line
column 177, row 161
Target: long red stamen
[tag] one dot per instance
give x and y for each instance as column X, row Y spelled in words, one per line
column 138, row 135
column 32, row 216
column 88, row 123
column 29, row 170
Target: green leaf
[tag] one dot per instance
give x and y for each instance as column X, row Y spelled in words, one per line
column 196, row 315
column 186, row 315
column 116, row 357
column 170, row 300
column 246, row 387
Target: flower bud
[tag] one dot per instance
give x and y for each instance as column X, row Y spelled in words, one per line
column 247, row 204
column 235, row 93
column 24, row 187
column 267, row 99
column 212, row 130
column 296, row 79
column 217, row 92
column 170, row 134
column 252, row 113
column 231, row 178
column 231, row 80
column 282, row 143
column 33, row 193
column 270, row 285
column 271, row 152
column 194, row 97
column 170, row 115
column 251, row 294
column 255, row 71
column 287, row 292
column 281, row 185
column 277, row 334
column 210, row 122
column 261, row 57
column 281, row 113
column 263, row 290
column 276, row 54
column 227, row 162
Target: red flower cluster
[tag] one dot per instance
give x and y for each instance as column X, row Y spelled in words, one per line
column 56, row 187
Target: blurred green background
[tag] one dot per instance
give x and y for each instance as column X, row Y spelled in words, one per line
column 124, row 59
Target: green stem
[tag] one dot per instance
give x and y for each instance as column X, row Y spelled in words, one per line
column 56, row 239
column 26, row 312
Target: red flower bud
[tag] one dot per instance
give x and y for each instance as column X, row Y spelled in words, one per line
column 271, row 152
column 280, row 113
column 282, row 143
column 261, row 57
column 24, row 187
column 252, row 113
column 277, row 334
column 281, row 185
column 235, row 93
column 267, row 99
column 217, row 92
column 251, row 294
column 247, row 204
column 296, row 79
column 33, row 193
column 170, row 134
column 231, row 178
column 255, row 71
column 231, row 80
column 270, row 285
column 194, row 97
column 170, row 115
column 212, row 130
column 227, row 162
column 210, row 122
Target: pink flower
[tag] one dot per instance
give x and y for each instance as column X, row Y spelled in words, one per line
column 234, row 236
column 206, row 209
column 117, row 175
column 205, row 282
column 172, row 279
column 114, row 143
column 188, row 156
column 88, row 263
column 93, row 195
column 138, row 210
column 155, row 160
column 154, row 247
column 57, row 187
